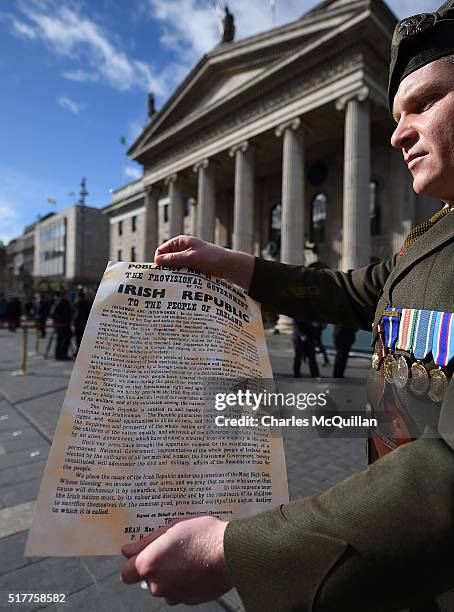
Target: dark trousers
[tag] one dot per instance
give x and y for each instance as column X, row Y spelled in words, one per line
column 307, row 350
column 63, row 342
column 340, row 363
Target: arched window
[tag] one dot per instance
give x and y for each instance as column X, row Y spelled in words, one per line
column 374, row 208
column 318, row 218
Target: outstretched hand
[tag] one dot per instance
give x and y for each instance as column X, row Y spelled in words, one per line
column 183, row 561
column 187, row 251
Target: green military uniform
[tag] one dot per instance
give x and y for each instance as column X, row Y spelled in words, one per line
column 384, row 538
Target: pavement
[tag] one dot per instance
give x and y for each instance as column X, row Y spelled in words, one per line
column 29, row 411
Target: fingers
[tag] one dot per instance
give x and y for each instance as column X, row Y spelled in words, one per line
column 174, row 245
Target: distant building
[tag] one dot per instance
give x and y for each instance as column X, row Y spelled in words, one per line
column 2, row 270
column 132, row 231
column 71, row 247
column 20, row 254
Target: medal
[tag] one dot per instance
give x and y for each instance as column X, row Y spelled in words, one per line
column 375, row 362
column 438, row 384
column 400, row 372
column 423, row 335
column 388, row 368
column 379, row 349
column 391, row 326
column 406, row 329
column 443, row 339
column 419, row 379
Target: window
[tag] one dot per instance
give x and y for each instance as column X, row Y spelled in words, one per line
column 133, row 223
column 120, row 228
column 274, row 244
column 187, row 207
column 318, row 219
column 374, row 208
column 133, row 253
column 166, row 213
column 119, row 255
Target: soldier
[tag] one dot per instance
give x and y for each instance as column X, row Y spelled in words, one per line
column 381, row 540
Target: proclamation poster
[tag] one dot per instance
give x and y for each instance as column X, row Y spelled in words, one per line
column 143, row 436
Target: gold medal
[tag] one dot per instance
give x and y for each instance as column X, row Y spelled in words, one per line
column 400, row 372
column 438, row 384
column 388, row 368
column 375, row 362
column 419, row 379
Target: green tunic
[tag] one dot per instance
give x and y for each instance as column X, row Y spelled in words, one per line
column 384, row 538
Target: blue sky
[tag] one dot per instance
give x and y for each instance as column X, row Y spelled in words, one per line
column 75, row 76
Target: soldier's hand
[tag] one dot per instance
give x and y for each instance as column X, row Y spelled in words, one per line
column 187, row 251
column 183, row 562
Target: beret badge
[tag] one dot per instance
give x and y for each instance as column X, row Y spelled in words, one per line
column 412, row 26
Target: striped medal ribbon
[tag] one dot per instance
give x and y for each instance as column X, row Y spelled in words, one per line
column 443, row 338
column 406, row 329
column 391, row 325
column 424, row 331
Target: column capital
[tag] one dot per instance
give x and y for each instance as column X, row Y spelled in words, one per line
column 361, row 94
column 151, row 189
column 204, row 163
column 242, row 146
column 292, row 124
column 170, row 179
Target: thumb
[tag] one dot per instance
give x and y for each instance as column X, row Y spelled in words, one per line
column 133, row 548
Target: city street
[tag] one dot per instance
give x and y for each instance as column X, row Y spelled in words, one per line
column 29, row 410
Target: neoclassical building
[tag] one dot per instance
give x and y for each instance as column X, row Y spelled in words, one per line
column 279, row 144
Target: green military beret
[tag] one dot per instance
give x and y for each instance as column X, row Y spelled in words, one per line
column 417, row 41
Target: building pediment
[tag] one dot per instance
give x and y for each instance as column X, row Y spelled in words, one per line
column 231, row 72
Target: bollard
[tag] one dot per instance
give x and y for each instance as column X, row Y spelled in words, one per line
column 23, row 370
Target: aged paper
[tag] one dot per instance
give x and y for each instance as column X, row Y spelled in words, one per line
column 136, row 445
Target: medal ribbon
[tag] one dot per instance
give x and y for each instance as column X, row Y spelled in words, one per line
column 424, row 330
column 443, row 338
column 406, row 329
column 391, row 325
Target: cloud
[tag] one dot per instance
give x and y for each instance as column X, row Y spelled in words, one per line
column 81, row 75
column 80, row 39
column 132, row 172
column 74, row 107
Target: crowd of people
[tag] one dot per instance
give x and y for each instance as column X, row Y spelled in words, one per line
column 64, row 314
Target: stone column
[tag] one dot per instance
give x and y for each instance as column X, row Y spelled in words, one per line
column 243, row 208
column 292, row 201
column 292, row 225
column 356, row 216
column 206, row 199
column 176, row 205
column 151, row 229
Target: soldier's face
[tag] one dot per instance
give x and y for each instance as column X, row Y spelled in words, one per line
column 424, row 112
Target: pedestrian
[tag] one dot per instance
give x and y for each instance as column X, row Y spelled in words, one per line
column 81, row 314
column 381, row 540
column 13, row 313
column 42, row 311
column 304, row 347
column 62, row 315
column 343, row 337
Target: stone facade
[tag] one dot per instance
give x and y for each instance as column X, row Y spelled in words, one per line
column 71, row 247
column 281, row 143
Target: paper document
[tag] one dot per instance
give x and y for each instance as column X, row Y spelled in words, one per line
column 137, row 444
